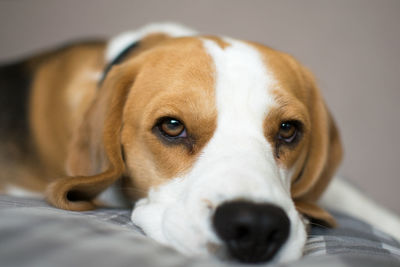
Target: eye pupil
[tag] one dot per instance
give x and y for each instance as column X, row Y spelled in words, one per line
column 286, row 126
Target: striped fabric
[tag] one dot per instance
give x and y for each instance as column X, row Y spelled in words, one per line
column 34, row 234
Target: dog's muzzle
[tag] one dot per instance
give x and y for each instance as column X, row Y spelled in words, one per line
column 252, row 232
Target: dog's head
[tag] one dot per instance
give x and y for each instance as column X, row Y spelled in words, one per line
column 224, row 144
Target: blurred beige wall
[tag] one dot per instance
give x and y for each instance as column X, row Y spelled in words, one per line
column 352, row 46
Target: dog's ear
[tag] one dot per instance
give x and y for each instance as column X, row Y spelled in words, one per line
column 324, row 156
column 95, row 157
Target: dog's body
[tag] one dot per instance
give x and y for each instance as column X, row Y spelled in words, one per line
column 37, row 125
column 195, row 128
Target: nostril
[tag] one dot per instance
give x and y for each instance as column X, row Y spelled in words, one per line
column 241, row 232
column 252, row 232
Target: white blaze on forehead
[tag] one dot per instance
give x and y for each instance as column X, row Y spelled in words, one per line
column 242, row 82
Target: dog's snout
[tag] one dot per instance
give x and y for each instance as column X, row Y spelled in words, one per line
column 252, row 232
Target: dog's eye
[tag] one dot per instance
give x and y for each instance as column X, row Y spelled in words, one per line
column 287, row 132
column 172, row 128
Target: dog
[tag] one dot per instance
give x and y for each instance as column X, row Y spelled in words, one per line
column 225, row 146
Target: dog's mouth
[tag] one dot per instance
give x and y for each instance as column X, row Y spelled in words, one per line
column 251, row 232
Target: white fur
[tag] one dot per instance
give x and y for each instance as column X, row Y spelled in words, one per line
column 118, row 44
column 238, row 162
column 16, row 191
column 344, row 197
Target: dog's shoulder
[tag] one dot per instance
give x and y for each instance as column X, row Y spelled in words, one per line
column 16, row 79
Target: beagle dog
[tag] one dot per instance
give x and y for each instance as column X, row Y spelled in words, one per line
column 225, row 146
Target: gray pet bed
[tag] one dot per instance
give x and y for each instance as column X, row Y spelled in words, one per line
column 34, row 234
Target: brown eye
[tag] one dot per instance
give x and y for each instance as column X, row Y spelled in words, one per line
column 287, row 132
column 171, row 127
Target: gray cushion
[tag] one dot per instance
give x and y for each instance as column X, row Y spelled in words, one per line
column 34, row 234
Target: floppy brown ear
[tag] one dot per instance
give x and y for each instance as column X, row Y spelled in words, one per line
column 95, row 157
column 324, row 156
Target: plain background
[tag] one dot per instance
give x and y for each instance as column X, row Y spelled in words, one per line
column 352, row 46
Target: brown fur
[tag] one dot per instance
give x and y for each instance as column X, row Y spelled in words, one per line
column 54, row 113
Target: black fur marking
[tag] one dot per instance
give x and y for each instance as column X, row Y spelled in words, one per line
column 15, row 80
column 118, row 60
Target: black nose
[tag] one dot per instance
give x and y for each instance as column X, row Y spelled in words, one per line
column 252, row 232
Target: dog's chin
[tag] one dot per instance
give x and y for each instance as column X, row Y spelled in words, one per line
column 190, row 231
